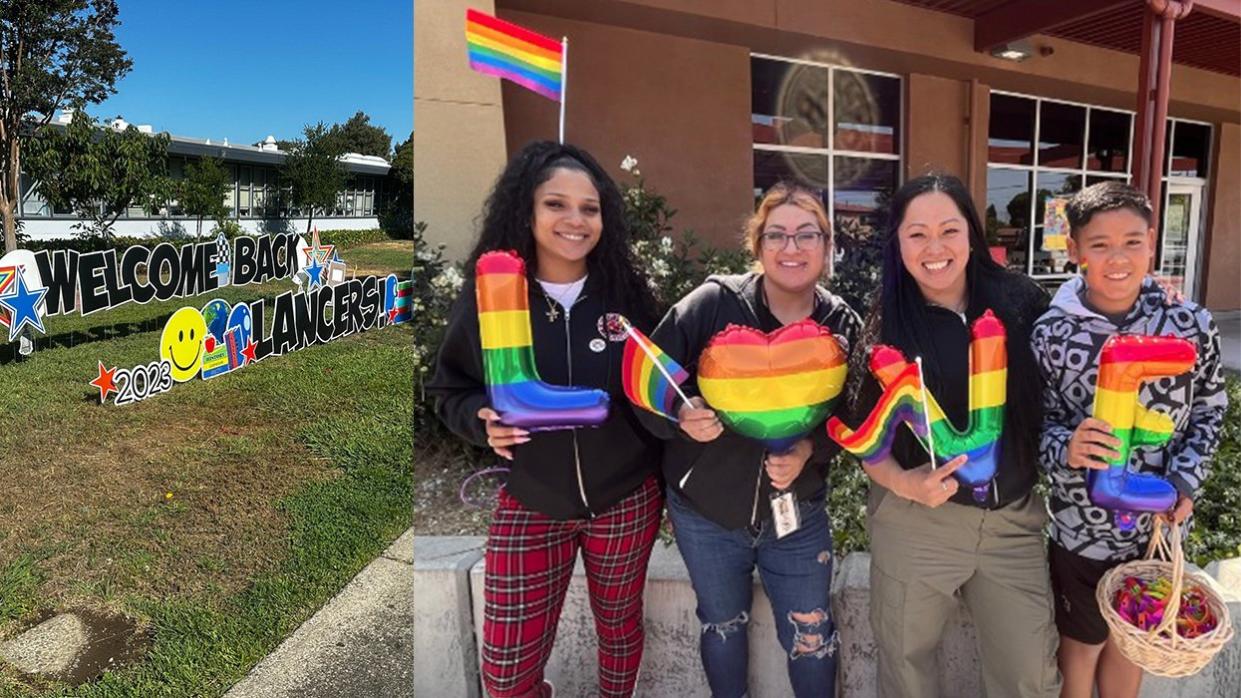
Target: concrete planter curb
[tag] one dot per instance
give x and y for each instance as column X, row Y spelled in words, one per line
column 448, row 578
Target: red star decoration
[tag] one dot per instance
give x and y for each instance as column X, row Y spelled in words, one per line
column 104, row 382
column 248, row 352
column 392, row 316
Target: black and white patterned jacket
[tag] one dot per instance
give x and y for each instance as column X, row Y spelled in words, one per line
column 1066, row 341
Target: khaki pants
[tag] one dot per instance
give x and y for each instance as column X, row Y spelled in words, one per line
column 921, row 558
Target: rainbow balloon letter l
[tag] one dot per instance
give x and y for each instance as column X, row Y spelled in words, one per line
column 512, row 379
column 1125, row 362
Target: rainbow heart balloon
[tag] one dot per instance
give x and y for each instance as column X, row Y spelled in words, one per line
column 773, row 387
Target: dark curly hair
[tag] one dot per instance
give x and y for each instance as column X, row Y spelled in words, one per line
column 509, row 210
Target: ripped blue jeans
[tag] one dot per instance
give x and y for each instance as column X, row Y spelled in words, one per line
column 796, row 573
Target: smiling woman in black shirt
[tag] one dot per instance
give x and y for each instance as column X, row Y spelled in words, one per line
column 931, row 540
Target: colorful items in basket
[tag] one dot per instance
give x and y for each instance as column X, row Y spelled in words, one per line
column 1141, row 604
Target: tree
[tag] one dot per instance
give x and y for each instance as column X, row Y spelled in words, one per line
column 100, row 172
column 357, row 135
column 397, row 217
column 202, row 191
column 54, row 54
column 313, row 171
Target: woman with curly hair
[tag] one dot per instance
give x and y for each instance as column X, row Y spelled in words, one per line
column 588, row 490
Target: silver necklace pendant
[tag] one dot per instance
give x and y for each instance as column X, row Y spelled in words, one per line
column 551, row 313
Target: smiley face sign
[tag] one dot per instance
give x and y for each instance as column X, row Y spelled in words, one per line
column 181, row 343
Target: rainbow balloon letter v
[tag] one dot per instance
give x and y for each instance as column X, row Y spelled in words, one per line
column 988, row 391
column 513, row 384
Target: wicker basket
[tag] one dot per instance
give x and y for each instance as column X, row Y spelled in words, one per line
column 1161, row 650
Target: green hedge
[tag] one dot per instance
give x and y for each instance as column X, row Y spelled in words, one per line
column 345, row 239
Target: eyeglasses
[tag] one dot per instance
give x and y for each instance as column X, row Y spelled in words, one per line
column 805, row 240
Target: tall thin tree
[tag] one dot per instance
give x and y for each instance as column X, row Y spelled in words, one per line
column 54, row 54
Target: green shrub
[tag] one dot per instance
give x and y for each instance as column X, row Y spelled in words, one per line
column 437, row 283
column 1217, row 512
column 344, row 239
column 672, row 266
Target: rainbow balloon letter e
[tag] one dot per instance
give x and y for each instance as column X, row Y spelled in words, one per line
column 1125, row 362
column 513, row 384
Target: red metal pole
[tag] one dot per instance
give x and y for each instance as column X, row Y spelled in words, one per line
column 1139, row 165
column 1162, row 89
column 1158, row 28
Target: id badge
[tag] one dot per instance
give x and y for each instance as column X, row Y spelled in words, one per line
column 784, row 512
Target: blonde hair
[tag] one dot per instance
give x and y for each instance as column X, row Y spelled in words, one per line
column 778, row 195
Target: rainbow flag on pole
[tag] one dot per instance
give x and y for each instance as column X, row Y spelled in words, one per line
column 651, row 378
column 507, row 51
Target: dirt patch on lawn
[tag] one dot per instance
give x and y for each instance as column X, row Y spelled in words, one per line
column 149, row 500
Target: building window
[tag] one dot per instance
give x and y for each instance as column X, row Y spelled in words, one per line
column 33, row 203
column 1039, row 153
column 834, row 130
column 1187, row 149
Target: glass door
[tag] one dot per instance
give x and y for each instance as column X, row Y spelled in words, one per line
column 1179, row 243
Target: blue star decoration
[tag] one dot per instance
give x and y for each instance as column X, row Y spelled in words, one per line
column 314, row 273
column 21, row 303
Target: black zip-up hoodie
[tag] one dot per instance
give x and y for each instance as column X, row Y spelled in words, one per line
column 724, row 479
column 1018, row 302
column 565, row 474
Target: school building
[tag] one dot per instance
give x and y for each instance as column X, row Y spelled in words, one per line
column 1027, row 101
column 254, row 199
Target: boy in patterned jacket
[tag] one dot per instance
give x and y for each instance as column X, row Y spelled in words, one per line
column 1112, row 239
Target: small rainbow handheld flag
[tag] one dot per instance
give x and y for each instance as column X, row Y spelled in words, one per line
column 651, row 378
column 507, row 51
column 902, row 401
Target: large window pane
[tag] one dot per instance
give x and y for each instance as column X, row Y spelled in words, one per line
column 1109, row 141
column 772, row 166
column 1061, row 131
column 862, row 192
column 33, row 203
column 1050, row 227
column 230, row 193
column 868, row 112
column 1010, row 133
column 1175, row 238
column 789, row 103
column 1190, row 149
column 1008, row 216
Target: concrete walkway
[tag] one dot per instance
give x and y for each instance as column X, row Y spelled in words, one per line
column 360, row 644
column 1229, row 323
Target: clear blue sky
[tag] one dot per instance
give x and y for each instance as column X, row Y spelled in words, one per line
column 243, row 70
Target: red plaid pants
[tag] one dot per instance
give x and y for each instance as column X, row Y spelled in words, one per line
column 529, row 564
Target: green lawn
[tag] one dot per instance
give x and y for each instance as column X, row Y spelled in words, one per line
column 221, row 514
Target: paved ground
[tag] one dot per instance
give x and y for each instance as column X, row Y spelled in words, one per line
column 360, row 644
column 1230, row 337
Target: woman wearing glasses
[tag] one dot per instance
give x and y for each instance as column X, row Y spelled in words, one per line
column 721, row 485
